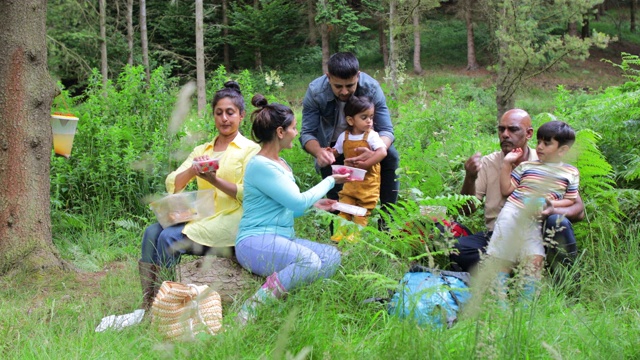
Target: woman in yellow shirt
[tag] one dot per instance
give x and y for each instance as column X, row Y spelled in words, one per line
column 162, row 247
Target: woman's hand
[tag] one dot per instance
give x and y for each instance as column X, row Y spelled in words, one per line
column 341, row 178
column 325, row 204
column 210, row 175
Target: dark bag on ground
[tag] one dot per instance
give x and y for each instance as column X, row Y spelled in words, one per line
column 431, row 297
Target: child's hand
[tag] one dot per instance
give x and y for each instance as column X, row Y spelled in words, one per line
column 513, row 156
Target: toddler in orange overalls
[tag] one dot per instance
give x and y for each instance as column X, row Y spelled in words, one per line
column 359, row 111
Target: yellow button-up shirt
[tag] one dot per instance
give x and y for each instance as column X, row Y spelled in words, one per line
column 220, row 229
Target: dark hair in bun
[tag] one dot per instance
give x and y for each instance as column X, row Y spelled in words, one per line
column 232, row 91
column 267, row 118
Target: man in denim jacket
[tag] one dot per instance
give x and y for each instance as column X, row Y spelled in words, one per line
column 323, row 120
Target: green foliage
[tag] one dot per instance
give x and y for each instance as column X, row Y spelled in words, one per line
column 613, row 114
column 259, row 28
column 596, row 187
column 630, row 70
column 529, row 42
column 171, row 26
column 340, row 16
column 432, row 159
column 121, row 149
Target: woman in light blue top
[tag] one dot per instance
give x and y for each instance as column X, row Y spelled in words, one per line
column 266, row 244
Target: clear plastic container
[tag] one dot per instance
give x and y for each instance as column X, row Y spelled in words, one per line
column 64, row 129
column 208, row 165
column 434, row 211
column 355, row 173
column 185, row 206
column 349, row 209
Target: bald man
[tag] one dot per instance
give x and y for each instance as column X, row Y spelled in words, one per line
column 482, row 179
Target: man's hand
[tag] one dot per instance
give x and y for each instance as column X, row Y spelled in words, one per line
column 548, row 209
column 325, row 157
column 472, row 166
column 358, row 161
column 513, row 156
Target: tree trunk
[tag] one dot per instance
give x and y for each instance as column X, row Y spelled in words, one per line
column 632, row 19
column 324, row 38
column 393, row 50
column 573, row 29
column 384, row 48
column 104, row 67
column 311, row 15
column 26, row 94
column 130, row 31
column 472, row 62
column 257, row 52
column 417, row 68
column 143, row 39
column 505, row 99
column 585, row 31
column 225, row 36
column 200, row 79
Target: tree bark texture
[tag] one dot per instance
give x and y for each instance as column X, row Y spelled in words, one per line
column 393, row 48
column 130, row 31
column 632, row 16
column 26, row 94
column 225, row 36
column 104, row 66
column 417, row 68
column 223, row 275
column 324, row 38
column 472, row 62
column 311, row 15
column 384, row 47
column 200, row 78
column 257, row 53
column 144, row 39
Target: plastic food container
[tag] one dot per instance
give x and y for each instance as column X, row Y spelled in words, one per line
column 349, row 209
column 434, row 211
column 355, row 173
column 64, row 129
column 182, row 207
column 209, row 165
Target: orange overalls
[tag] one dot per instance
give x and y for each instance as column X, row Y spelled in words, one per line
column 363, row 193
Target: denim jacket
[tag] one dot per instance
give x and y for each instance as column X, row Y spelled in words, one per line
column 319, row 110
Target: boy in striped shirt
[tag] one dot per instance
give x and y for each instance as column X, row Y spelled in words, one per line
column 533, row 188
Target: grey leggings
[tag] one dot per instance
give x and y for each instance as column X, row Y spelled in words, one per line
column 297, row 261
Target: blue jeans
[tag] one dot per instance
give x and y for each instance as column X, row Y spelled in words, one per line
column 470, row 247
column 164, row 247
column 389, row 184
column 297, row 261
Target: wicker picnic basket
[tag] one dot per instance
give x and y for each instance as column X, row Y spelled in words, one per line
column 181, row 311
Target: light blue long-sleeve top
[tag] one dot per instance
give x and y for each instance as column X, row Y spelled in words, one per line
column 272, row 199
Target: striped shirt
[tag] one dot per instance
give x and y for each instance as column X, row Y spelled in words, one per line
column 554, row 181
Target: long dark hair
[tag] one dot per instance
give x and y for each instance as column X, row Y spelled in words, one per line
column 267, row 118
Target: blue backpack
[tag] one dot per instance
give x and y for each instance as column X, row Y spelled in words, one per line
column 431, row 297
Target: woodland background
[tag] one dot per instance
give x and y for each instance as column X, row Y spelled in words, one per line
column 540, row 56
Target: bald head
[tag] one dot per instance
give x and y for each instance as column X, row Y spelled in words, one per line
column 514, row 130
